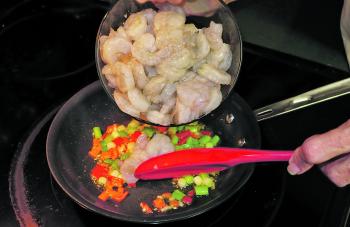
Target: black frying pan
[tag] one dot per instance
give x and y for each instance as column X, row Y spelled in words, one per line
column 69, row 140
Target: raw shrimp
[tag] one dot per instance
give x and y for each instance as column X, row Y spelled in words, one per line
column 124, row 78
column 194, row 94
column 113, row 47
column 196, row 41
column 169, row 36
column 183, row 114
column 139, row 74
column 215, row 98
column 124, row 104
column 108, row 72
column 144, row 50
column 138, row 100
column 149, row 14
column 176, row 66
column 159, row 144
column 168, row 106
column 168, row 92
column 216, row 75
column 136, row 25
column 158, row 117
column 150, row 71
column 214, row 35
column 155, row 86
column 220, row 58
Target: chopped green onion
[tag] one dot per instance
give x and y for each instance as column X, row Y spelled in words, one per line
column 197, row 180
column 181, row 182
column 148, row 131
column 186, row 146
column 178, row 195
column 174, row 140
column 97, row 132
column 189, row 179
column 215, row 140
column 102, row 181
column 204, row 175
column 104, row 145
column 201, row 190
column 108, row 161
column 204, row 139
column 178, row 147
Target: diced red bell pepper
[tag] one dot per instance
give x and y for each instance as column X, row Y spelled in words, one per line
column 120, row 140
column 160, row 129
column 206, row 133
column 134, row 136
column 183, row 136
column 99, row 171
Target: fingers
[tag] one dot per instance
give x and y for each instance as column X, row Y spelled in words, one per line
column 338, row 171
column 320, row 148
column 175, row 2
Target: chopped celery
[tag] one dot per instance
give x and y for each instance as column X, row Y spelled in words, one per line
column 189, row 179
column 108, row 161
column 174, row 140
column 201, row 190
column 123, row 133
column 215, row 140
column 115, row 165
column 209, row 145
column 148, row 131
column 104, row 146
column 178, row 195
column 204, row 139
column 204, row 175
column 102, row 181
column 209, row 182
column 97, row 132
column 124, row 156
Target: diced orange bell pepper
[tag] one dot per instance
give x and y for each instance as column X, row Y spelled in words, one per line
column 105, row 155
column 174, row 203
column 96, row 148
column 118, row 197
column 146, row 208
column 166, row 195
column 104, row 196
column 159, row 203
column 114, row 153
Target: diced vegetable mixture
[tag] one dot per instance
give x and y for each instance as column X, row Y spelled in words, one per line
column 111, row 148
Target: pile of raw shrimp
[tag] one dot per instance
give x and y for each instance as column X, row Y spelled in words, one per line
column 164, row 70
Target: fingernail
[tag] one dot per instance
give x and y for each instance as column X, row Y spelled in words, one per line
column 293, row 169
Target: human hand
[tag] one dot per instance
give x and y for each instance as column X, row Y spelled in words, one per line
column 331, row 148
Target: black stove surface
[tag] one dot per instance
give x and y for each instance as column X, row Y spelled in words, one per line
column 48, row 55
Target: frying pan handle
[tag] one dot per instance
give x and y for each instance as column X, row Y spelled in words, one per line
column 306, row 99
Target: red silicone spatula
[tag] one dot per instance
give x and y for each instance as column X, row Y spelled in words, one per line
column 204, row 160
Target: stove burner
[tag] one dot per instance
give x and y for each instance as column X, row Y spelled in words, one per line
column 66, row 49
column 38, row 201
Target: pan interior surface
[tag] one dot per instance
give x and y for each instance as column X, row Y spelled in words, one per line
column 69, row 140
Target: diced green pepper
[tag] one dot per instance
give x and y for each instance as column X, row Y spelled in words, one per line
column 204, row 175
column 180, row 128
column 178, row 195
column 97, row 132
column 201, row 190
